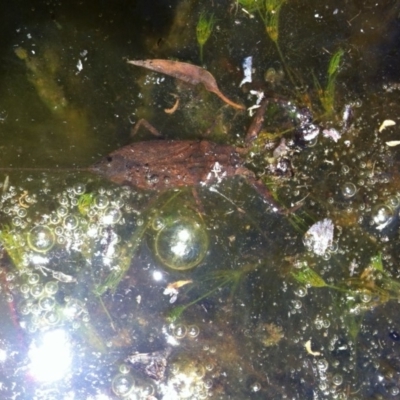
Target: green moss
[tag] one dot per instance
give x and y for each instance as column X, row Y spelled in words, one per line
column 13, row 243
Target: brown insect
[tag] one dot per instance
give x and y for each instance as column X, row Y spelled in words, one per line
column 169, row 164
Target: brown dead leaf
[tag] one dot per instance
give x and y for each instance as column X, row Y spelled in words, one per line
column 188, row 73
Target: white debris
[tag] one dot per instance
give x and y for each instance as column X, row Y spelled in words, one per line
column 386, row 123
column 310, row 133
column 172, row 292
column 259, row 94
column 319, row 237
column 393, row 143
column 79, row 66
column 307, row 345
column 281, row 150
column 332, row 133
column 247, row 70
column 252, row 109
column 353, row 266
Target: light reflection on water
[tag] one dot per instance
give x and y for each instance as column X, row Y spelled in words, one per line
column 86, row 288
column 51, row 356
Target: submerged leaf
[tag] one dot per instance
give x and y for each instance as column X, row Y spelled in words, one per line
column 376, row 262
column 188, row 73
column 307, row 276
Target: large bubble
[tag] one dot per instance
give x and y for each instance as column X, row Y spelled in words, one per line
column 41, row 238
column 182, row 243
column 122, row 385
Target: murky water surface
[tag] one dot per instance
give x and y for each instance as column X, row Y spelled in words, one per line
column 119, row 292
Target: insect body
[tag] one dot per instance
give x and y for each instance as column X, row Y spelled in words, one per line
column 169, row 164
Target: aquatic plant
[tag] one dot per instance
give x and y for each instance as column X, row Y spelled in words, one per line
column 327, row 95
column 204, row 28
column 307, row 276
column 220, row 279
column 85, row 201
column 13, row 243
column 128, row 251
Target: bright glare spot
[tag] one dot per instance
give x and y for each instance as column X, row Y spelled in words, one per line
column 51, row 359
column 3, row 355
column 100, row 396
column 180, row 248
column 157, row 275
column 39, row 260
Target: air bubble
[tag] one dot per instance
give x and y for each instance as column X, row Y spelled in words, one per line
column 349, row 190
column 54, row 219
column 193, row 331
column 365, row 297
column 16, row 221
column 37, row 290
column 337, row 379
column 179, row 331
column 393, row 201
column 158, row 223
column 122, row 385
column 41, row 238
column 322, row 365
column 345, row 169
column 71, row 222
column 119, row 203
column 124, row 369
column 255, row 387
column 24, row 288
column 47, row 303
column 394, row 391
column 208, row 383
column 25, row 308
column 79, row 188
column 381, row 214
column 52, row 317
column 63, row 200
column 101, row 202
column 147, row 391
column 297, row 304
column 10, row 276
column 62, row 211
column 301, row 291
column 22, row 212
column 51, row 287
column 139, row 222
column 182, row 244
column 112, row 215
column 59, row 230
column 33, row 279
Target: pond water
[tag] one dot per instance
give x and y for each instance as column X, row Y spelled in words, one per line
column 215, row 291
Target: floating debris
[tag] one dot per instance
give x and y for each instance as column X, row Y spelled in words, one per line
column 307, row 345
column 386, row 123
column 393, row 143
column 153, row 364
column 332, row 133
column 319, row 237
column 173, row 289
column 247, row 70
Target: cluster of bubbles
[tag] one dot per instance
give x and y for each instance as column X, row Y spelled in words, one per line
column 127, row 384
column 190, row 372
column 382, row 208
column 34, row 239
